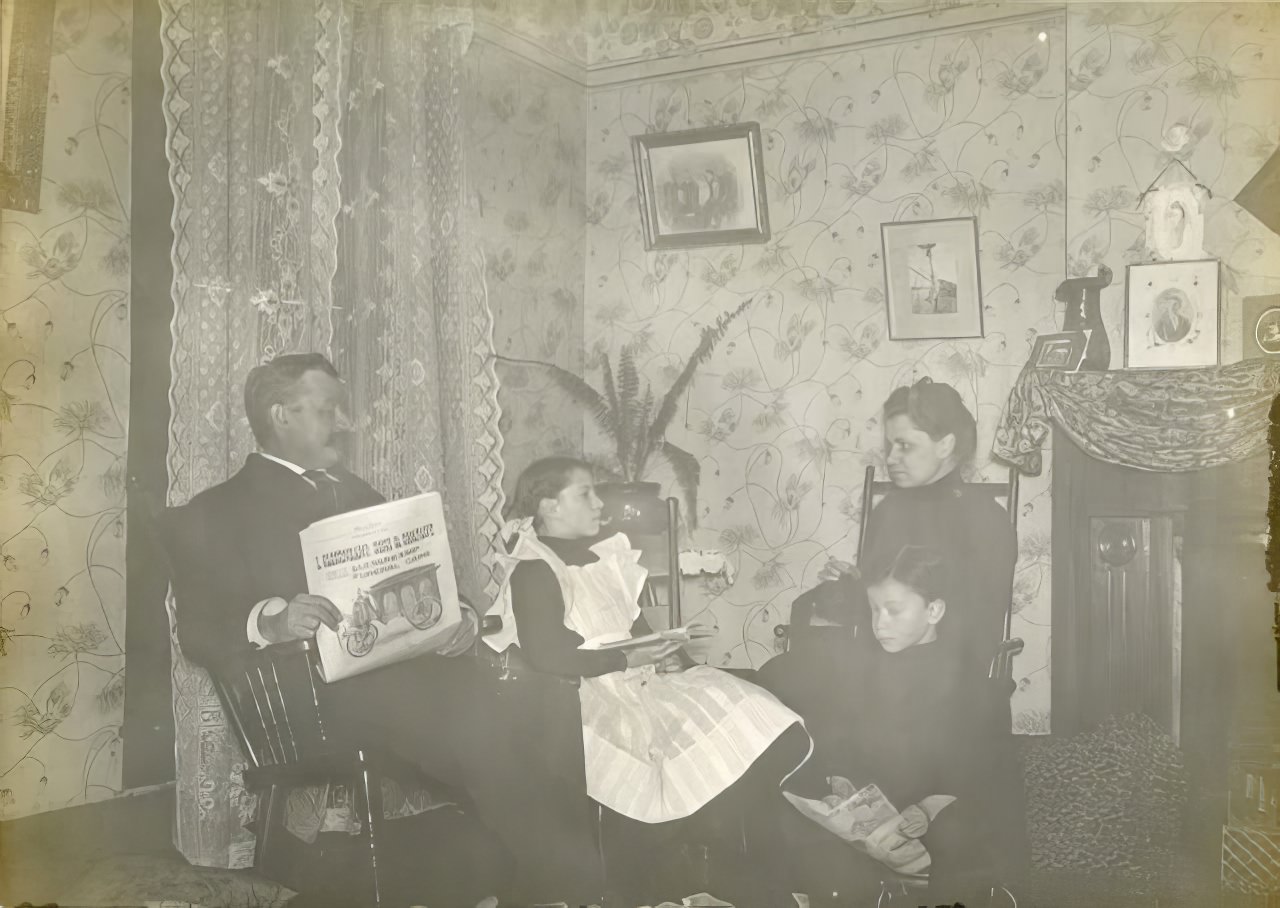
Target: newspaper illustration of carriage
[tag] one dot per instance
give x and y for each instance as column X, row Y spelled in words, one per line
column 414, row 593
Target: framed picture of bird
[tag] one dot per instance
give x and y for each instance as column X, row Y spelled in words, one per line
column 932, row 285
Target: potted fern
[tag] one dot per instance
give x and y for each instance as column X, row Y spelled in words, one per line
column 636, row 422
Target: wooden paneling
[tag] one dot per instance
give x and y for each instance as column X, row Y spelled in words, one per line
column 1112, row 645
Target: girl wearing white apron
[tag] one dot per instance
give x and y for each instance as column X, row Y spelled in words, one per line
column 660, row 740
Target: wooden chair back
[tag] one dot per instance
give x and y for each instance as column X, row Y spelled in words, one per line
column 874, row 489
column 273, row 702
column 660, row 554
column 1005, row 493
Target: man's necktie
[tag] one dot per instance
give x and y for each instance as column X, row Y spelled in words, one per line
column 326, row 488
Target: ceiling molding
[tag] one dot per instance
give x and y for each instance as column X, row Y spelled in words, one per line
column 491, row 32
column 913, row 24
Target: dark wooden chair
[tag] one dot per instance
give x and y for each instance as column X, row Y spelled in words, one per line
column 273, row 703
column 274, row 707
column 660, row 554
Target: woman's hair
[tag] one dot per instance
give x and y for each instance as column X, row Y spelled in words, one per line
column 545, row 478
column 936, row 408
column 917, row 567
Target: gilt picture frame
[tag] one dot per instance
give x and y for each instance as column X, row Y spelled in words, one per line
column 701, row 187
column 933, row 288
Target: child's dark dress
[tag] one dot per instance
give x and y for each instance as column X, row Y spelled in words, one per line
column 917, row 723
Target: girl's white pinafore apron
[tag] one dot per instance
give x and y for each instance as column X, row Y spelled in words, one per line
column 658, row 746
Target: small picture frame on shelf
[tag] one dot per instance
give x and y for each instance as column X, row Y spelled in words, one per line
column 1062, row 352
column 701, row 187
column 932, row 286
column 1260, row 327
column 1172, row 311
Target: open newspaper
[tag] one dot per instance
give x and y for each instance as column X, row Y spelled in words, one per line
column 389, row 570
column 857, row 815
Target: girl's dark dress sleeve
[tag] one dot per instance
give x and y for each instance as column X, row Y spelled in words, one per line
column 549, row 646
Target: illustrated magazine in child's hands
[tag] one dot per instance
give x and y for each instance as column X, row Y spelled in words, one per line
column 389, row 570
column 855, row 815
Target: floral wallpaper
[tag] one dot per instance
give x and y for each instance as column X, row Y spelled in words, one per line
column 64, row 414
column 785, row 417
column 593, row 32
column 1153, row 84
column 525, row 173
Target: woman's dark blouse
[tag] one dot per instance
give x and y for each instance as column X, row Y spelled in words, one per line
column 974, row 532
column 538, row 603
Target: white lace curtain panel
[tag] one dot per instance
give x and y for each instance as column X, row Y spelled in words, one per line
column 315, row 156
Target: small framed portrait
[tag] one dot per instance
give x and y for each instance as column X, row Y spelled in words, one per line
column 1261, row 327
column 701, row 187
column 932, row 286
column 1171, row 315
column 1061, row 352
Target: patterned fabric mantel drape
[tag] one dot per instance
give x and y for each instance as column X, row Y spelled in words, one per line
column 1175, row 420
column 315, row 161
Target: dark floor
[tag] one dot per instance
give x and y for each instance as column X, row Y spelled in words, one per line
column 116, row 852
column 120, row 853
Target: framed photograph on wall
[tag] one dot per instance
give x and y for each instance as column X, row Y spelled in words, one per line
column 932, row 286
column 701, row 187
column 1260, row 327
column 1062, row 352
column 1171, row 315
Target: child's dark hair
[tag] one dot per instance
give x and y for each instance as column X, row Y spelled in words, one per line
column 545, row 478
column 918, row 567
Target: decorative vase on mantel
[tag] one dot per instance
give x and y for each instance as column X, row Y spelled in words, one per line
column 635, row 508
column 1083, row 296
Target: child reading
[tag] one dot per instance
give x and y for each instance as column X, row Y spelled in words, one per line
column 922, row 727
column 665, row 742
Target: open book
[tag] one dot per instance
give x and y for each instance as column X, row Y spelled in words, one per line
column 679, row 634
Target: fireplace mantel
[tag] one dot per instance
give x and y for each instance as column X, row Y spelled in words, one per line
column 1167, row 421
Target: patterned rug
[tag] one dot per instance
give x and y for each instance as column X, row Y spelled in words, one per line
column 1110, row 800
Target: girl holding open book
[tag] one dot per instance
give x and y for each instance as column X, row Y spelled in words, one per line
column 669, row 744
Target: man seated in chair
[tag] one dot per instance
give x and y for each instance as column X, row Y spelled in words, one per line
column 925, row 728
column 239, row 582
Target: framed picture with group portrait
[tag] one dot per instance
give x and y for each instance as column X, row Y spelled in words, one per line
column 701, row 187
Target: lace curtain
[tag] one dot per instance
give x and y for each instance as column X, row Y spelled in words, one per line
column 315, row 160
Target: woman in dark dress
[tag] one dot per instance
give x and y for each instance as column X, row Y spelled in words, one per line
column 929, row 436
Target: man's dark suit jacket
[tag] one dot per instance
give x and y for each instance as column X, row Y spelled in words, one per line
column 236, row 544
